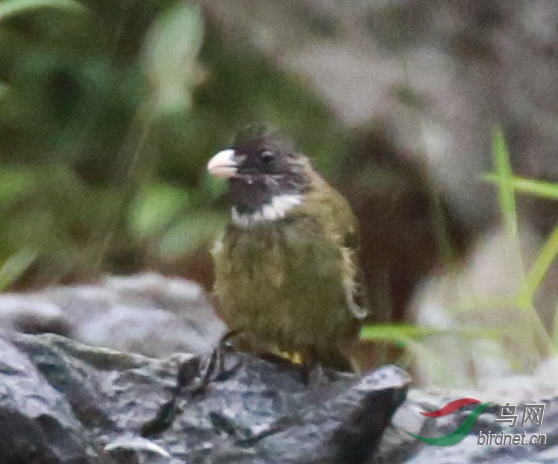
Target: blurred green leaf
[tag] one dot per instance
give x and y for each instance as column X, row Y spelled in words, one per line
column 170, row 57
column 14, row 183
column 540, row 267
column 533, row 187
column 213, row 186
column 15, row 266
column 508, row 185
column 13, row 7
column 397, row 333
column 403, row 333
column 154, row 208
column 504, row 177
column 194, row 230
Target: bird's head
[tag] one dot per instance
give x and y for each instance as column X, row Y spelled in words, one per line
column 267, row 175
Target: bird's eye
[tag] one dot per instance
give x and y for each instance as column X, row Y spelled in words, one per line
column 267, row 156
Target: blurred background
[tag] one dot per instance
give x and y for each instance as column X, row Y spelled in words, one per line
column 110, row 109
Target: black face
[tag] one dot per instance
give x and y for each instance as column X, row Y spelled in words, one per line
column 268, row 164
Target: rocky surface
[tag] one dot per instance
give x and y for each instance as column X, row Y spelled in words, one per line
column 63, row 402
column 148, row 314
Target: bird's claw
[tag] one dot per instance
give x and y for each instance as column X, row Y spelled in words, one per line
column 195, row 378
column 214, row 368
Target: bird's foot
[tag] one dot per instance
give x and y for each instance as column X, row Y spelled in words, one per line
column 214, row 368
column 186, row 374
column 194, row 376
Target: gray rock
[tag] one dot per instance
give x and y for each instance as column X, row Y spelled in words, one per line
column 91, row 405
column 64, row 402
column 37, row 424
column 147, row 313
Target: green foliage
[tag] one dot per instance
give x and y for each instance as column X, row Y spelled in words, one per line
column 190, row 232
column 504, row 175
column 15, row 266
column 522, row 186
column 549, row 250
column 407, row 334
column 109, row 111
column 154, row 207
column 76, row 110
column 508, row 186
column 16, row 7
column 170, row 57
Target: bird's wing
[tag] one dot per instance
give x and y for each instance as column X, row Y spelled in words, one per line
column 346, row 230
column 356, row 293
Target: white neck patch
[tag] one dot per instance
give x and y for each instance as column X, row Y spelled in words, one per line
column 272, row 211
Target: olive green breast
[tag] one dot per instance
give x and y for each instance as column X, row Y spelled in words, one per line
column 284, row 283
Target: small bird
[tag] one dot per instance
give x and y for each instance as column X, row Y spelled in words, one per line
column 286, row 273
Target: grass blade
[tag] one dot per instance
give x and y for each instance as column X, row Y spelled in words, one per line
column 528, row 186
column 504, row 180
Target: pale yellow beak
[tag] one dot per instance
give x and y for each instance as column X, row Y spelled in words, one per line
column 223, row 164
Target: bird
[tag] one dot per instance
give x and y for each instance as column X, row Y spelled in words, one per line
column 287, row 279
